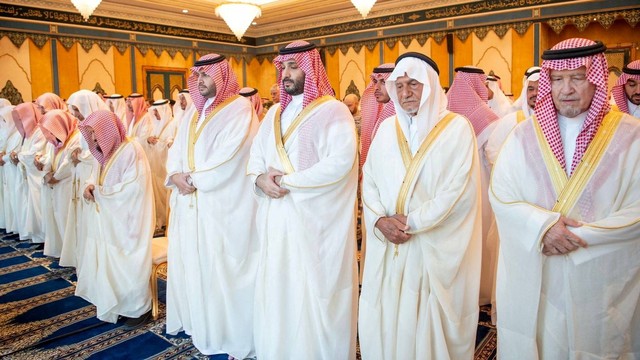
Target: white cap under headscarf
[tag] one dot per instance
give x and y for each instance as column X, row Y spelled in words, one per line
column 433, row 103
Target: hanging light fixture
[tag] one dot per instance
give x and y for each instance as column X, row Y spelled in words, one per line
column 86, row 7
column 363, row 6
column 238, row 15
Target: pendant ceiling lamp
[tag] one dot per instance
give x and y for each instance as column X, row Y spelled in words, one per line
column 363, row 6
column 86, row 7
column 238, row 16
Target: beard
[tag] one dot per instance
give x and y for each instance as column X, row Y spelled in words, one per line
column 295, row 87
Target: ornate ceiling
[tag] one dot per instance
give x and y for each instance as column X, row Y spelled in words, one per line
column 277, row 16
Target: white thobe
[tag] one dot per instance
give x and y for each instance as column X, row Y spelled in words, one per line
column 213, row 248
column 11, row 192
column 57, row 198
column 583, row 305
column 157, row 156
column 306, row 288
column 489, row 243
column 77, row 218
column 422, row 303
column 116, row 263
column 32, row 147
column 634, row 110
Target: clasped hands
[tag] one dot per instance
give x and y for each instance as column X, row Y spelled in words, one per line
column 183, row 182
column 558, row 240
column 394, row 228
column 270, row 182
column 38, row 164
column 152, row 140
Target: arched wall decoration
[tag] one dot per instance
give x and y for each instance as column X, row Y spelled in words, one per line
column 10, row 93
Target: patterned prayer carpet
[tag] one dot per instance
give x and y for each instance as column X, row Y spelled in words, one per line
column 40, row 318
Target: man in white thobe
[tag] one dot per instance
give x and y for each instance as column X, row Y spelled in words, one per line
column 137, row 121
column 81, row 103
column 468, row 96
column 626, row 91
column 566, row 193
column 304, row 165
column 162, row 130
column 422, row 208
column 213, row 248
column 116, row 260
column 60, row 129
column 7, row 144
column 498, row 101
column 117, row 105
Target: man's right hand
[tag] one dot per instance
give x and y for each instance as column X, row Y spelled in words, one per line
column 267, row 183
column 180, row 180
column 393, row 229
column 14, row 158
column 558, row 240
column 75, row 156
column 88, row 193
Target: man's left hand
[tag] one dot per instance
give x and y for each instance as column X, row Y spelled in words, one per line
column 38, row 164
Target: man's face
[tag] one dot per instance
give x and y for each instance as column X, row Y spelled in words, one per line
column 275, row 94
column 41, row 108
column 409, row 94
column 532, row 93
column 352, row 104
column 571, row 91
column 632, row 89
column 380, row 91
column 129, row 105
column 110, row 103
column 206, row 85
column 183, row 102
column 76, row 112
column 489, row 92
column 93, row 138
column 292, row 78
column 156, row 114
column 50, row 137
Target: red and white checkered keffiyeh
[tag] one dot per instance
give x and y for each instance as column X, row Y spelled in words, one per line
column 59, row 123
column 253, row 96
column 546, row 113
column 469, row 96
column 139, row 105
column 26, row 117
column 51, row 101
column 108, row 130
column 222, row 75
column 373, row 113
column 316, row 81
column 617, row 91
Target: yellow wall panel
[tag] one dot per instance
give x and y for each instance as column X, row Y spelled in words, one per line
column 68, row 70
column 523, row 47
column 352, row 70
column 371, row 60
column 440, row 55
column 462, row 52
column 122, row 72
column 332, row 65
column 391, row 54
column 16, row 67
column 261, row 75
column 42, row 70
column 236, row 66
column 493, row 53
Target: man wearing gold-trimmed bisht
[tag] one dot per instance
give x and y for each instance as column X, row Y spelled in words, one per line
column 116, row 259
column 212, row 256
column 566, row 194
column 304, row 164
column 423, row 218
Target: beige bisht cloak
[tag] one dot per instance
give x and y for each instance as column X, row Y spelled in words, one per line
column 306, row 289
column 583, row 305
column 212, row 236
column 116, row 260
column 420, row 299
